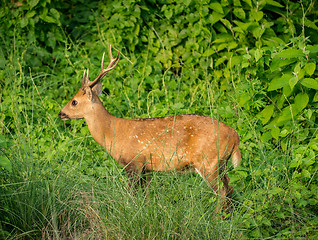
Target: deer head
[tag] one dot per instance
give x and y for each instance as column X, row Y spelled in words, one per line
column 87, row 96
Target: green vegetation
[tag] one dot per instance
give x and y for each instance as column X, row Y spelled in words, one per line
column 250, row 64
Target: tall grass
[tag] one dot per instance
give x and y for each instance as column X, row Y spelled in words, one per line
column 66, row 204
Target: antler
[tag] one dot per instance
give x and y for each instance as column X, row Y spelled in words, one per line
column 104, row 71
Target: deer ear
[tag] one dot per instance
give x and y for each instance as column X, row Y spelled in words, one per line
column 89, row 93
column 97, row 89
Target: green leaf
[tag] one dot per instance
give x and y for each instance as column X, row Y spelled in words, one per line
column 266, row 114
column 208, row 52
column 168, row 13
column 223, row 38
column 305, row 173
column 51, row 40
column 239, row 13
column 24, row 22
column 266, row 136
column 274, row 3
column 137, row 29
column 310, row 24
column 309, row 161
column 285, row 115
column 237, row 3
column 290, row 53
column 55, row 14
column 234, row 61
column 275, row 190
column 47, row 19
column 275, row 132
column 249, row 2
column 232, row 45
column 295, row 162
column 278, row 63
column 292, row 82
column 3, row 63
column 310, row 68
column 258, row 54
column 297, row 68
column 3, row 142
column 258, row 32
column 255, row 233
column 222, row 46
column 310, row 83
column 5, row 163
column 226, row 23
column 177, row 106
column 30, row 14
column 244, row 98
column 187, row 2
column 281, row 215
column 313, row 49
column 287, row 91
column 215, row 17
column 278, row 83
column 217, row 7
column 220, row 60
column 242, row 173
column 33, row 3
column 266, row 221
column 315, row 97
column 301, row 101
column 301, row 74
column 256, row 15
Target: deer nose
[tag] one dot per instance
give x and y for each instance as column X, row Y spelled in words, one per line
column 63, row 116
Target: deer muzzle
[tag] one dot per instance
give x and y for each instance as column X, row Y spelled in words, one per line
column 63, row 116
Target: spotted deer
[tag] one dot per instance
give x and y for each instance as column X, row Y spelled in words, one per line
column 195, row 142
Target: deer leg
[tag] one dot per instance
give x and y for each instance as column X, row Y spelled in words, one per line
column 226, row 181
column 210, row 175
column 137, row 176
column 145, row 179
column 133, row 174
column 214, row 183
column 227, row 190
column 213, row 175
column 133, row 177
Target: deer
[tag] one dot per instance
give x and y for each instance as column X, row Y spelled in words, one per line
column 173, row 143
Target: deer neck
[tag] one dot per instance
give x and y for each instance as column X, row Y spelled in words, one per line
column 101, row 125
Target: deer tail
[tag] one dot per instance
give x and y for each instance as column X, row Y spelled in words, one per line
column 236, row 154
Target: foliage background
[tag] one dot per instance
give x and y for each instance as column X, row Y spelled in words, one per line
column 251, row 64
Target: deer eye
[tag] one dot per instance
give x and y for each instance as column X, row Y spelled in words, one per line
column 74, row 102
